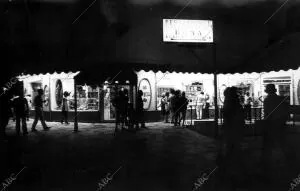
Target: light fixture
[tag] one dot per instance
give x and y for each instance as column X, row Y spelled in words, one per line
column 116, row 82
column 127, row 82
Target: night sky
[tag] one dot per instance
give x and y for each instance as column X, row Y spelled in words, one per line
column 42, row 33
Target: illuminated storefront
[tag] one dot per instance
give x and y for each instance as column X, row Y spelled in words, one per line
column 155, row 84
column 93, row 99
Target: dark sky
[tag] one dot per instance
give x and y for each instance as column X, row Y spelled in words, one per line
column 42, row 31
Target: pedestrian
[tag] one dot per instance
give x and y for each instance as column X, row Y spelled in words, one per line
column 140, row 118
column 233, row 133
column 167, row 107
column 65, row 108
column 172, row 105
column 126, row 106
column 248, row 103
column 200, row 104
column 119, row 104
column 21, row 109
column 206, row 107
column 177, row 107
column 275, row 115
column 130, row 116
column 28, row 98
column 184, row 104
column 39, row 113
column 163, row 103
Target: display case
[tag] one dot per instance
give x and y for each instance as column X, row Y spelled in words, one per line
column 87, row 98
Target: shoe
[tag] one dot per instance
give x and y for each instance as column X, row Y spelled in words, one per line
column 47, row 128
column 33, row 130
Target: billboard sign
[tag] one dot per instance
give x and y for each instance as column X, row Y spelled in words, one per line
column 187, row 31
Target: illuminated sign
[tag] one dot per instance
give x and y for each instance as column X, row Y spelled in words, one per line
column 177, row 30
column 147, row 93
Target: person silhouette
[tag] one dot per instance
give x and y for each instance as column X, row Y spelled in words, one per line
column 140, row 118
column 275, row 115
column 39, row 113
column 167, row 107
column 177, row 108
column 65, row 108
column 21, row 109
column 184, row 103
column 119, row 104
column 233, row 132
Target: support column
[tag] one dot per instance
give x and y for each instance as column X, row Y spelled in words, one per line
column 216, row 90
column 75, row 109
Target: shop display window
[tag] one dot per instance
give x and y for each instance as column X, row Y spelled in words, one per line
column 87, row 98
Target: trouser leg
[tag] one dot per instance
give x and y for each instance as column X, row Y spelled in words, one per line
column 24, row 124
column 18, row 121
column 43, row 120
column 183, row 117
column 36, row 118
column 67, row 116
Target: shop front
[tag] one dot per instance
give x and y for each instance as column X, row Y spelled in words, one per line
column 156, row 84
column 93, row 97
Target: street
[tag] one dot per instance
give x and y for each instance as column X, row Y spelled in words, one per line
column 158, row 158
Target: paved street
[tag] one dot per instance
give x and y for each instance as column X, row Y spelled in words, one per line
column 161, row 158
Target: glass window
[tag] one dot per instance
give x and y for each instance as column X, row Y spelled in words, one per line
column 87, row 98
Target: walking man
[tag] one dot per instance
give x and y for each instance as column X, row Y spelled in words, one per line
column 39, row 113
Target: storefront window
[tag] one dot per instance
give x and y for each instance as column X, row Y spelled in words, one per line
column 87, row 98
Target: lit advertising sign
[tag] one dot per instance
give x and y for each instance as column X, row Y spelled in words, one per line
column 189, row 31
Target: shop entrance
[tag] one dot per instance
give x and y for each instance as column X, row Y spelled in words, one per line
column 110, row 92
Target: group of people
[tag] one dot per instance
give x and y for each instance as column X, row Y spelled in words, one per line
column 275, row 116
column 174, row 107
column 125, row 113
column 17, row 107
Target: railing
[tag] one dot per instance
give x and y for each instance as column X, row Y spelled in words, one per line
column 250, row 118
